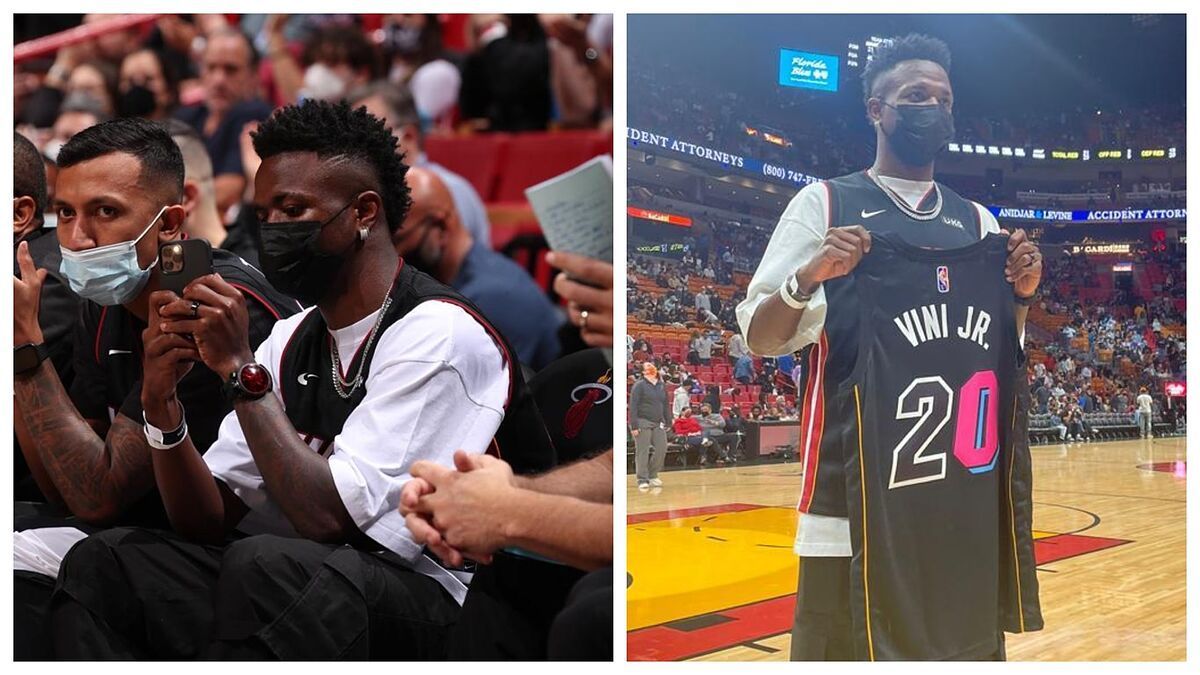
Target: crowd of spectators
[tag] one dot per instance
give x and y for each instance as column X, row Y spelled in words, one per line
column 1100, row 356
column 680, row 102
column 293, row 146
column 1107, row 352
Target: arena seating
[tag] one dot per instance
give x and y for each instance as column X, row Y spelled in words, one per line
column 500, row 166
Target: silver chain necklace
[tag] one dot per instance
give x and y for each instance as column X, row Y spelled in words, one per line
column 903, row 205
column 340, row 384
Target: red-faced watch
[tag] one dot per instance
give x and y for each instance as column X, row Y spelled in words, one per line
column 249, row 383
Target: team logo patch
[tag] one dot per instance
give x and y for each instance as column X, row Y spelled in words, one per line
column 585, row 396
column 943, row 279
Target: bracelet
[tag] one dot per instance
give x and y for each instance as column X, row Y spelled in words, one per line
column 165, row 440
column 1025, row 302
column 789, row 292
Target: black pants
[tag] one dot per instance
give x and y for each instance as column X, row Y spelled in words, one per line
column 821, row 626
column 510, row 609
column 582, row 631
column 131, row 593
column 821, row 629
column 32, row 591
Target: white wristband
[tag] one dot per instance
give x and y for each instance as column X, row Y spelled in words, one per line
column 160, row 440
column 788, row 291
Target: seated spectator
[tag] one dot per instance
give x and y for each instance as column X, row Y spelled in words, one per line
column 395, row 106
column 714, row 430
column 688, row 429
column 94, row 464
column 147, row 87
column 58, row 306
column 481, row 509
column 1056, row 424
column 230, row 102
column 203, row 220
column 78, row 112
column 506, row 80
column 434, row 239
column 327, row 466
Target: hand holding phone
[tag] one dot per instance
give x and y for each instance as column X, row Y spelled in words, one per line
column 182, row 262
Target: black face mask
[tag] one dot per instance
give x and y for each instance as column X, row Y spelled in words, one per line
column 921, row 132
column 292, row 262
column 137, row 101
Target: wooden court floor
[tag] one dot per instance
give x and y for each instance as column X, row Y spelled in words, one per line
column 712, row 575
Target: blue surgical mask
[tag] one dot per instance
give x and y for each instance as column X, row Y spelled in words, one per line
column 108, row 275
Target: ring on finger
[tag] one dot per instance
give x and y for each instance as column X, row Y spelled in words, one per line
column 583, row 318
column 195, row 309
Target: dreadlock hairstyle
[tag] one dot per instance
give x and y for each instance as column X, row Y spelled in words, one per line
column 911, row 47
column 336, row 130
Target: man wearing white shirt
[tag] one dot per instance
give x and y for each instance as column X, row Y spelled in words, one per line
column 290, row 544
column 801, row 297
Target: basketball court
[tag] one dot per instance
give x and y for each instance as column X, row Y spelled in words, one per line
column 712, row 576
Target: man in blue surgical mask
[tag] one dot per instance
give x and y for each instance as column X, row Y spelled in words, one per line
column 117, row 200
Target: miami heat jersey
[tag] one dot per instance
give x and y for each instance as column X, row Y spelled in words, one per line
column 826, row 414
column 932, row 396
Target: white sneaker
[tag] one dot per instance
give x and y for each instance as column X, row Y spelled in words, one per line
column 643, row 486
column 655, row 482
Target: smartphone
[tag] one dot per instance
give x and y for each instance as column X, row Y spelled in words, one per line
column 182, row 262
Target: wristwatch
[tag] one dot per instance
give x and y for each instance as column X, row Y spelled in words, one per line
column 249, row 383
column 28, row 356
column 165, row 440
column 790, row 292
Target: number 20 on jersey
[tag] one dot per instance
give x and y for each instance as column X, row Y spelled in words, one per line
column 930, row 402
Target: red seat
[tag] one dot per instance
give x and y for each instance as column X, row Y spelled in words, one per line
column 477, row 158
column 534, row 157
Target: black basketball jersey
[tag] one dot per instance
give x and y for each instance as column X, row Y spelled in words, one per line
column 932, row 392
column 826, row 415
column 108, row 367
column 319, row 413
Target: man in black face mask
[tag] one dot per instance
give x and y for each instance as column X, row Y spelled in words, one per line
column 799, row 299
column 290, row 543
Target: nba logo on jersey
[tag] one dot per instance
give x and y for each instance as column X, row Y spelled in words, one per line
column 943, row 279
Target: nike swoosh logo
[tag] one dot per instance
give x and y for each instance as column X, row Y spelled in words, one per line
column 871, row 214
column 118, row 351
column 304, row 378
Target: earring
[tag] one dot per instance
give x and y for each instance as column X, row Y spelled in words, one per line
column 362, row 234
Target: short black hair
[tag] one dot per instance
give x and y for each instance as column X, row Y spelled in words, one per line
column 162, row 163
column 29, row 174
column 337, row 130
column 894, row 51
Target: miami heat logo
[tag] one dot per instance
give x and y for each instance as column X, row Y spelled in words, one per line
column 943, row 279
column 586, row 396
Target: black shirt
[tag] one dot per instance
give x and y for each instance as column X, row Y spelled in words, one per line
column 108, row 363
column 224, row 145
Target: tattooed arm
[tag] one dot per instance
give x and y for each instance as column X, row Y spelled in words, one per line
column 95, row 478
